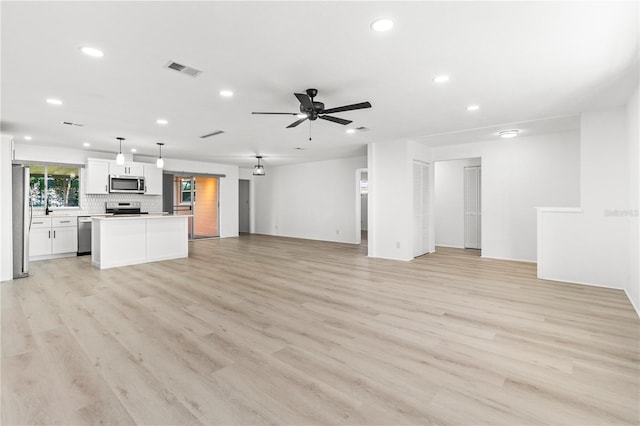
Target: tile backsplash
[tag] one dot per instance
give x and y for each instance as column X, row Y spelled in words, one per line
column 94, row 204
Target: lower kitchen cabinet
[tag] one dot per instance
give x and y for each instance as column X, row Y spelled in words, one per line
column 53, row 237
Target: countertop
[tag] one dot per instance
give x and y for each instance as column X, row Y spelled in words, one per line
column 77, row 213
column 139, row 216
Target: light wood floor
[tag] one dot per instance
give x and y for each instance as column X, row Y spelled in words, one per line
column 264, row 330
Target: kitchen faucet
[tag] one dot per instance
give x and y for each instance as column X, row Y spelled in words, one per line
column 47, row 208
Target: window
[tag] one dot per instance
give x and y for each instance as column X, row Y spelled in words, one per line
column 185, row 191
column 55, row 186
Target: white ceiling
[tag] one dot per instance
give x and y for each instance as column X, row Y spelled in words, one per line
column 534, row 65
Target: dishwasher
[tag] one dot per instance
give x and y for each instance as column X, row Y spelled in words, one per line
column 84, row 235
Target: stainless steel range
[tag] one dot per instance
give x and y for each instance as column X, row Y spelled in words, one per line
column 123, row 208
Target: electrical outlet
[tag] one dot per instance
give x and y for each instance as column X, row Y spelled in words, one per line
column 397, row 244
column 337, row 232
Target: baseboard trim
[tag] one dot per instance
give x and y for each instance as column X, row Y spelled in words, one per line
column 507, row 258
column 457, row 247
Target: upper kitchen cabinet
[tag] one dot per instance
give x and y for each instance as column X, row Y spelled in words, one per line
column 97, row 177
column 152, row 179
column 127, row 169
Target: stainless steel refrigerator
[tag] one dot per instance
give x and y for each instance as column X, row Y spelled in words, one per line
column 21, row 215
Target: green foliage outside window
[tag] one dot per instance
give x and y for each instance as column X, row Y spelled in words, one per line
column 185, row 191
column 57, row 186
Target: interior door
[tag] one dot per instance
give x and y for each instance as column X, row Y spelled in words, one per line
column 472, row 216
column 421, row 228
column 243, row 206
column 204, row 201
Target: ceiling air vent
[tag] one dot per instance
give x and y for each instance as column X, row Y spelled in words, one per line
column 362, row 129
column 214, row 133
column 183, row 69
column 68, row 123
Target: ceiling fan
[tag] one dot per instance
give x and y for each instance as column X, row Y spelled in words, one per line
column 312, row 110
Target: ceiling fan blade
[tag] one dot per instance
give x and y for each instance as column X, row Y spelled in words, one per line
column 361, row 105
column 305, row 100
column 277, row 113
column 295, row 123
column 335, row 119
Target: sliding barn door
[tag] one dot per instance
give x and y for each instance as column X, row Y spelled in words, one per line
column 421, row 234
column 472, row 216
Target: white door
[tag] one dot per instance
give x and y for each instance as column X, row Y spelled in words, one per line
column 244, row 216
column 472, row 216
column 421, row 235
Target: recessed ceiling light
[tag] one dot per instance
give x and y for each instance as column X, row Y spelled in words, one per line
column 92, row 51
column 54, row 101
column 226, row 93
column 133, row 150
column 382, row 24
column 350, row 131
column 473, row 108
column 162, row 121
column 27, row 138
column 511, row 133
column 441, row 78
column 86, row 144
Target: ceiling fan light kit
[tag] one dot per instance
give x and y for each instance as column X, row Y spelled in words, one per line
column 258, row 169
column 311, row 109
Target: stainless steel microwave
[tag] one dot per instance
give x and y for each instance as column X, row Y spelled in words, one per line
column 130, row 184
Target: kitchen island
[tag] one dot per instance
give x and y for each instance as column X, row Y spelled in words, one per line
column 132, row 239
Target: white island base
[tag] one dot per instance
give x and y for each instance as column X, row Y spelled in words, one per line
column 130, row 240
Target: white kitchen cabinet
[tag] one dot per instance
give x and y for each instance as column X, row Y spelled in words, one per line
column 53, row 237
column 97, row 177
column 127, row 169
column 65, row 235
column 152, row 179
column 40, row 237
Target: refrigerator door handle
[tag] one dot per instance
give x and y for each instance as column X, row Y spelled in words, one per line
column 26, row 222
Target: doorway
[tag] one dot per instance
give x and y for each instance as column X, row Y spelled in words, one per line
column 421, row 208
column 458, row 206
column 362, row 207
column 195, row 195
column 472, row 216
column 244, row 215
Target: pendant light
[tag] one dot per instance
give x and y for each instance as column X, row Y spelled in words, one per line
column 160, row 161
column 120, row 156
column 258, row 169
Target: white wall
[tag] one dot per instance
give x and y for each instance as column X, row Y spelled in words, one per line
column 6, row 231
column 311, row 200
column 633, row 135
column 592, row 246
column 390, row 172
column 390, row 201
column 517, row 176
column 28, row 151
column 449, row 201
